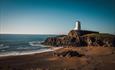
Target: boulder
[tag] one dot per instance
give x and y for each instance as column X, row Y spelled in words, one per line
column 69, row 53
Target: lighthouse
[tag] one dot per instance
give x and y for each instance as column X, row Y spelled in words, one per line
column 77, row 26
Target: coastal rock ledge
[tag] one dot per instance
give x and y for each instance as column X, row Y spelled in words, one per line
column 78, row 38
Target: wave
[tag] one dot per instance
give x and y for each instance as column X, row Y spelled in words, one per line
column 16, row 53
column 24, row 48
column 1, row 45
column 4, row 47
column 27, row 52
column 35, row 43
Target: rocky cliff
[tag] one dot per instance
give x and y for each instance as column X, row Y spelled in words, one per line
column 82, row 38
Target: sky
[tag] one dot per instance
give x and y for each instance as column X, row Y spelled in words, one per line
column 56, row 16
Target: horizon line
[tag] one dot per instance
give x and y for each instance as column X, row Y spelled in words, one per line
column 32, row 34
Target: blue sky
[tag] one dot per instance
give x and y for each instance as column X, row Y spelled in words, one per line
column 56, row 16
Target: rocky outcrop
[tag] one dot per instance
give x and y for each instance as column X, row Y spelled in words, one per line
column 74, row 33
column 82, row 38
column 69, row 53
column 105, row 40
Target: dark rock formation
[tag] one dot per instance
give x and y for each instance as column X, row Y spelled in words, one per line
column 74, row 33
column 105, row 40
column 82, row 38
column 69, row 53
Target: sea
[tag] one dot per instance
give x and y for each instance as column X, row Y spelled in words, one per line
column 22, row 44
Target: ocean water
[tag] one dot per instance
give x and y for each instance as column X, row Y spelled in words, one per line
column 21, row 44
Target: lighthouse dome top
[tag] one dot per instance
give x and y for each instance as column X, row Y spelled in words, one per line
column 77, row 25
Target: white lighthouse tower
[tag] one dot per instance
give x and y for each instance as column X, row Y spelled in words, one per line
column 77, row 26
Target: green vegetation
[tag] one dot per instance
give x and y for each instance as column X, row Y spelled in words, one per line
column 100, row 35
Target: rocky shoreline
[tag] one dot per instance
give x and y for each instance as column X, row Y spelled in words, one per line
column 78, row 38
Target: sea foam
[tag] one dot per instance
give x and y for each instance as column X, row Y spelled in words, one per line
column 23, row 52
column 17, row 53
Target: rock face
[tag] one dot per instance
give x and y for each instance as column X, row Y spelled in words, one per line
column 74, row 33
column 82, row 38
column 69, row 53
